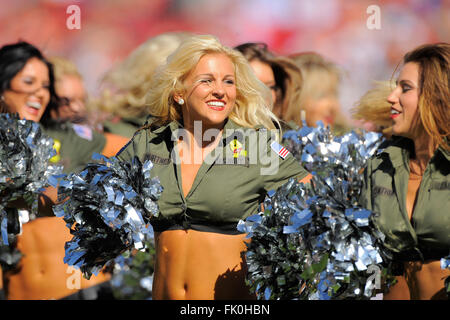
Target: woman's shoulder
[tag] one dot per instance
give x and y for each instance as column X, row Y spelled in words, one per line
column 391, row 153
column 136, row 142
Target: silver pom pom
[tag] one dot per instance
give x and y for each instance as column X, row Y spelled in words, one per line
column 314, row 241
column 108, row 209
column 24, row 170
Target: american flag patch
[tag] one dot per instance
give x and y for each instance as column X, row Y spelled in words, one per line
column 83, row 131
column 279, row 149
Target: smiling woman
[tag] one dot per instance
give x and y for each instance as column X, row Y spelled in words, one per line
column 414, row 168
column 404, row 100
column 211, row 91
column 205, row 85
column 27, row 88
column 28, row 93
column 26, row 82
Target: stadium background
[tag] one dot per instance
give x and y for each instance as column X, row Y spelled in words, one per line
column 337, row 29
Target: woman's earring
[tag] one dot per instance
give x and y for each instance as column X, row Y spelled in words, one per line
column 181, row 101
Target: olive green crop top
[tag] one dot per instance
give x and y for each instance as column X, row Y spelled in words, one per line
column 230, row 184
column 427, row 235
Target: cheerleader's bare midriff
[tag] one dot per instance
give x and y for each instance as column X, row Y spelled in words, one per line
column 41, row 273
column 194, row 265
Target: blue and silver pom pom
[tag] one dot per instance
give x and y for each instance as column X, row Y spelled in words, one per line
column 108, row 207
column 314, row 241
column 24, row 170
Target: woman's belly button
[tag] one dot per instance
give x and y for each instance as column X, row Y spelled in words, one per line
column 178, row 291
column 184, row 290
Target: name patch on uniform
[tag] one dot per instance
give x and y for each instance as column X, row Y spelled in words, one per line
column 279, row 149
column 83, row 131
column 157, row 159
column 444, row 185
column 377, row 190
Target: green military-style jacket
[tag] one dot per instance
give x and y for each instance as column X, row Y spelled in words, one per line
column 230, row 184
column 427, row 235
column 74, row 148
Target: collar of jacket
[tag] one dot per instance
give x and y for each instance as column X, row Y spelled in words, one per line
column 400, row 148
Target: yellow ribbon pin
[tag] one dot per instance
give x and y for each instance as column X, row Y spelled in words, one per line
column 237, row 149
column 57, row 146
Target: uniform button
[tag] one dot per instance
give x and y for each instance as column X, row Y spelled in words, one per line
column 183, row 206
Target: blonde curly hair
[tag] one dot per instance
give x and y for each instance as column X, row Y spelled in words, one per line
column 250, row 108
column 373, row 107
column 320, row 78
column 64, row 67
column 127, row 84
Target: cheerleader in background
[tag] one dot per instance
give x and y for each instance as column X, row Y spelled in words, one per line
column 27, row 87
column 319, row 96
column 281, row 75
column 123, row 99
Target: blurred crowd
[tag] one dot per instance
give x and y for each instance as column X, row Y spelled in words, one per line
column 336, row 29
column 321, row 62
